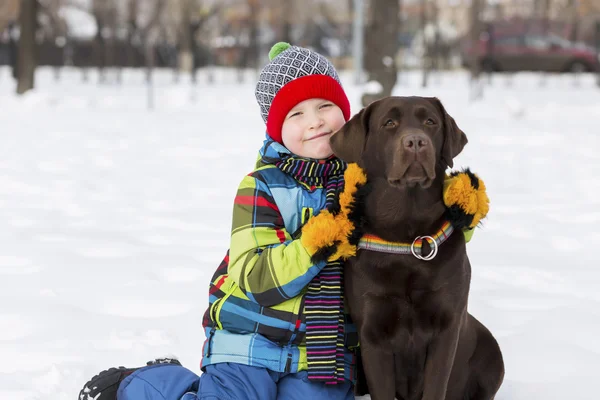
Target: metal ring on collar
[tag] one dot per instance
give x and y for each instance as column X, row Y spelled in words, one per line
column 412, row 248
column 433, row 252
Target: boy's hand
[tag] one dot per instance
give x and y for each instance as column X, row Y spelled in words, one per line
column 325, row 237
column 333, row 236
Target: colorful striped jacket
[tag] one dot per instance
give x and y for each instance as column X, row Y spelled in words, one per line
column 256, row 296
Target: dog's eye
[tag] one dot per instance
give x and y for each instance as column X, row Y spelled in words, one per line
column 390, row 123
column 429, row 122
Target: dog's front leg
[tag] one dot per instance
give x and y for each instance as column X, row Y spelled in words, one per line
column 379, row 371
column 440, row 359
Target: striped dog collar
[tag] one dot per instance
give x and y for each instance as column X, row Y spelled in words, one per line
column 375, row 243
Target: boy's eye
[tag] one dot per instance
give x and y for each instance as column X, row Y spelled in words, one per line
column 326, row 105
column 295, row 114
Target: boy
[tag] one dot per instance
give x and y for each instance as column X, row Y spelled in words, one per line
column 275, row 327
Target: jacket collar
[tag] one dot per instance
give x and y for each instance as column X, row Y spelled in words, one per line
column 271, row 152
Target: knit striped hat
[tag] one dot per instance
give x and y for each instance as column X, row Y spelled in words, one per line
column 295, row 74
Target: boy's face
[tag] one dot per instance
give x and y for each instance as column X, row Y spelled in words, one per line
column 308, row 126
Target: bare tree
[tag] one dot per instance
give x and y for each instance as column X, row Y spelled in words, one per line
column 55, row 27
column 13, row 49
column 476, row 86
column 597, row 44
column 286, row 26
column 426, row 58
column 27, row 59
column 132, row 31
column 9, row 10
column 186, row 55
column 573, row 20
column 111, row 29
column 253, row 32
column 381, row 45
column 99, row 14
column 148, row 35
column 189, row 20
column 106, row 15
column 541, row 12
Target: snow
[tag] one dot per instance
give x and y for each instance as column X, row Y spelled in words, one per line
column 114, row 217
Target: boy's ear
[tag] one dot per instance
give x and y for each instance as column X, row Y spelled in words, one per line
column 349, row 142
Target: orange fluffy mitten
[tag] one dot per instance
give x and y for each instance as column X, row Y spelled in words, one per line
column 327, row 235
column 466, row 200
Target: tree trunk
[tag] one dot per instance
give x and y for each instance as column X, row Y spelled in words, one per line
column 150, row 48
column 13, row 50
column 132, row 33
column 27, row 46
column 476, row 86
column 98, row 50
column 597, row 43
column 194, row 27
column 540, row 12
column 380, row 55
column 490, row 49
column 254, row 45
column 186, row 57
column 437, row 38
column 573, row 21
column 111, row 60
column 426, row 61
column 286, row 8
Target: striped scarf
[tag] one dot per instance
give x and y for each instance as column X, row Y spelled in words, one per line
column 324, row 300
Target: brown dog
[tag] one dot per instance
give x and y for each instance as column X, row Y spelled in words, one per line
column 417, row 339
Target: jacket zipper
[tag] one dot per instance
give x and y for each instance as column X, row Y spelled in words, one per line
column 298, row 321
column 288, row 363
column 213, row 316
column 210, row 338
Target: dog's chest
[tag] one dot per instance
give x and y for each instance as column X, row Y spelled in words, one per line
column 404, row 303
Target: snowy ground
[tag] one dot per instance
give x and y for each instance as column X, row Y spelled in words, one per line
column 113, row 218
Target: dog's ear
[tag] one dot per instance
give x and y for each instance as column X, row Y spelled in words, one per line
column 349, row 142
column 454, row 138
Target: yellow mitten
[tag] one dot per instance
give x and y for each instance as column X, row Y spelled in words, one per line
column 327, row 236
column 321, row 232
column 465, row 198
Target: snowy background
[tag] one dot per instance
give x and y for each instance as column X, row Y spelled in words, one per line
column 113, row 218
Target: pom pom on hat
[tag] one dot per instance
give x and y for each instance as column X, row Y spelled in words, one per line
column 277, row 49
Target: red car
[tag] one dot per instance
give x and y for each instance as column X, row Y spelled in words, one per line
column 532, row 52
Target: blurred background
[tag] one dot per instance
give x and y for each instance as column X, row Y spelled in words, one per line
column 376, row 39
column 126, row 126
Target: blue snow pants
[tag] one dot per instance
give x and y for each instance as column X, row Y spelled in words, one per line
column 226, row 381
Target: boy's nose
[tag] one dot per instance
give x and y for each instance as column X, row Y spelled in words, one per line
column 317, row 121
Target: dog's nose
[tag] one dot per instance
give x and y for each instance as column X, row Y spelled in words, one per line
column 415, row 142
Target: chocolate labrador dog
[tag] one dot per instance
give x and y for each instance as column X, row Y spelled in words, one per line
column 417, row 339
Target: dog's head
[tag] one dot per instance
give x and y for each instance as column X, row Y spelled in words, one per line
column 402, row 139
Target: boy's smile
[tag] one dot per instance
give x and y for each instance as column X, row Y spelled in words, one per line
column 308, row 126
column 318, row 135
